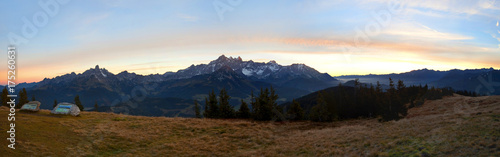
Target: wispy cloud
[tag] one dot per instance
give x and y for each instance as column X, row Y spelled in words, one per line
column 458, row 6
column 186, row 17
column 421, row 32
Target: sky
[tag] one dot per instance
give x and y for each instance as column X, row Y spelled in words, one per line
column 55, row 37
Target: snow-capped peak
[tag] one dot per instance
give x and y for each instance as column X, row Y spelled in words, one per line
column 258, row 70
column 103, row 73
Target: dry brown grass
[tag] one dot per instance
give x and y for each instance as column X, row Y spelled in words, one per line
column 453, row 126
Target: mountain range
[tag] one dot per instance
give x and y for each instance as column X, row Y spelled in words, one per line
column 484, row 81
column 173, row 93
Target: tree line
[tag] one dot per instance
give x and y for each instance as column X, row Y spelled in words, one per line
column 467, row 93
column 23, row 99
column 264, row 106
column 338, row 103
column 373, row 101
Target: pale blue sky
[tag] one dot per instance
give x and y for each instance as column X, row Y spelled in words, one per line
column 158, row 36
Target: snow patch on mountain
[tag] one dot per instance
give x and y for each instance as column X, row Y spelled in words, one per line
column 273, row 67
column 247, row 72
column 103, row 73
column 260, row 72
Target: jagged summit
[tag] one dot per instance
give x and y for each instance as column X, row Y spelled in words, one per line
column 226, row 60
column 222, row 58
column 97, row 72
column 267, row 72
column 223, row 68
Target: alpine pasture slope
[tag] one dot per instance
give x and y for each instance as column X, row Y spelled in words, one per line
column 452, row 126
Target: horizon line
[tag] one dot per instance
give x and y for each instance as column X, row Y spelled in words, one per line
column 264, row 62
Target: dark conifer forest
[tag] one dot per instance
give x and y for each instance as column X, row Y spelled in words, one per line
column 331, row 104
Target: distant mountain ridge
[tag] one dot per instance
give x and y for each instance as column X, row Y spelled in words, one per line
column 270, row 72
column 238, row 77
column 172, row 93
column 485, row 81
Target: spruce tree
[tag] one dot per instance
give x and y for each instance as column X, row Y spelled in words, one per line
column 296, row 112
column 213, row 108
column 319, row 112
column 226, row 110
column 78, row 102
column 263, row 109
column 277, row 111
column 197, row 109
column 378, row 89
column 33, row 98
column 265, row 106
column 401, row 100
column 5, row 92
column 395, row 106
column 391, row 86
column 256, row 105
column 356, row 83
column 244, row 111
column 23, row 98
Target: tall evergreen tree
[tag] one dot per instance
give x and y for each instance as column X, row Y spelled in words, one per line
column 78, row 102
column 356, row 83
column 391, row 86
column 401, row 100
column 226, row 110
column 265, row 106
column 378, row 89
column 319, row 112
column 244, row 111
column 263, row 109
column 213, row 107
column 277, row 111
column 5, row 98
column 395, row 107
column 23, row 98
column 197, row 109
column 296, row 112
column 256, row 105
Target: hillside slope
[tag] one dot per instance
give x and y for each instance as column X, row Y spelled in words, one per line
column 453, row 126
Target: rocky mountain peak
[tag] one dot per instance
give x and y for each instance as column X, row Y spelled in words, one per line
column 272, row 62
column 222, row 58
column 225, row 68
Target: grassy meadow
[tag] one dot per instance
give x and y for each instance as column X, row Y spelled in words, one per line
column 453, row 126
